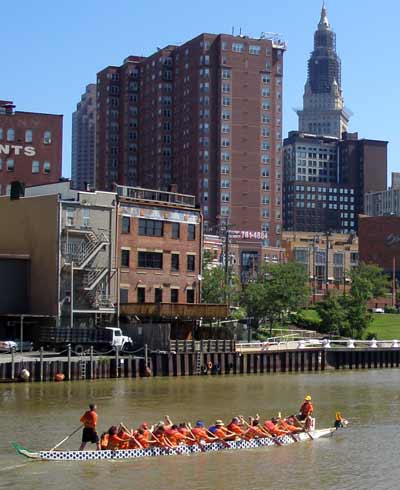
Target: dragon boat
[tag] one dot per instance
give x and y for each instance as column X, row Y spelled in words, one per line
column 176, row 451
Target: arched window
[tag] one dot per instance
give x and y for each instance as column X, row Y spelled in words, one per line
column 10, row 135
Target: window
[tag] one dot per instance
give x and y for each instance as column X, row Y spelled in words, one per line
column 191, row 232
column 237, row 47
column 47, row 137
column 176, row 230
column 126, row 224
column 10, row 165
column 226, row 115
column 1, row 133
column 28, row 136
column 70, row 213
column 8, row 189
column 174, row 262
column 226, row 74
column 125, row 258
column 149, row 227
column 157, row 295
column 174, row 295
column 191, row 263
column 254, row 49
column 46, row 167
column 141, row 295
column 123, row 295
column 10, row 135
column 190, row 296
column 35, row 167
column 150, row 260
column 86, row 217
column 226, row 100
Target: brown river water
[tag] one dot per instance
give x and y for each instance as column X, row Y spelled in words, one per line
column 364, row 456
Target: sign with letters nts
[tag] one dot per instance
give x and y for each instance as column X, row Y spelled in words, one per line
column 28, row 151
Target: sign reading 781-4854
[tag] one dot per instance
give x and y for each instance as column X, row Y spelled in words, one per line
column 248, row 235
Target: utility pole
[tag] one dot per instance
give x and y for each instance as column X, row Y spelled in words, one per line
column 72, row 294
column 394, row 282
column 327, row 233
column 226, row 263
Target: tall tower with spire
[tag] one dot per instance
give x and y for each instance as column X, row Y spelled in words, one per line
column 323, row 110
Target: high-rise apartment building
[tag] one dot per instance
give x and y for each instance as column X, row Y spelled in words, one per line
column 323, row 110
column 84, row 140
column 207, row 116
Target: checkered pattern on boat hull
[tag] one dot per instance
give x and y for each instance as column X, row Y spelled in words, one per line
column 157, row 451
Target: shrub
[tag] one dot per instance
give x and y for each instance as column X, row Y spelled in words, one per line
column 371, row 336
column 391, row 309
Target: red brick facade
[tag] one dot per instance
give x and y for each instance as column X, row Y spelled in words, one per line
column 164, row 268
column 30, row 147
column 379, row 241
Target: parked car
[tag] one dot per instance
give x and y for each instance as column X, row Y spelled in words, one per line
column 378, row 310
column 7, row 345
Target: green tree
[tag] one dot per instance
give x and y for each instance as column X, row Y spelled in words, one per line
column 334, row 318
column 213, row 288
column 278, row 290
column 368, row 281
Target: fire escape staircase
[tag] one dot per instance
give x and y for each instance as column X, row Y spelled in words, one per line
column 93, row 277
column 90, row 247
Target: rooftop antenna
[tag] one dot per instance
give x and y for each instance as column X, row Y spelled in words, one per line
column 240, row 31
column 233, row 30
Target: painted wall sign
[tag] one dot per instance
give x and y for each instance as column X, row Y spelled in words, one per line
column 28, row 151
column 392, row 240
column 161, row 214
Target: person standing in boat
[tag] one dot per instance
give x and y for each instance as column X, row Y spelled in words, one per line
column 89, row 434
column 306, row 413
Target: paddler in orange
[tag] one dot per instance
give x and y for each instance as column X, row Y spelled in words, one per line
column 220, row 431
column 254, row 430
column 174, row 436
column 114, row 441
column 186, row 431
column 160, row 436
column 201, row 433
column 89, row 434
column 272, row 427
column 234, row 426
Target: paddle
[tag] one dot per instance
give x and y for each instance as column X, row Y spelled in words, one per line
column 130, row 433
column 66, row 438
column 218, row 438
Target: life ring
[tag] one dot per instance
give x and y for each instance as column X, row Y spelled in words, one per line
column 209, row 365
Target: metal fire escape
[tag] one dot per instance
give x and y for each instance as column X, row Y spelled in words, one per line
column 79, row 255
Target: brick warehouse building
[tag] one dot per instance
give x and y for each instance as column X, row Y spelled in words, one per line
column 160, row 247
column 206, row 116
column 30, row 147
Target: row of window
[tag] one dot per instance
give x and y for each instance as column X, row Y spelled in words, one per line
column 333, row 190
column 9, row 165
column 151, row 227
column 159, row 295
column 154, row 260
column 10, row 135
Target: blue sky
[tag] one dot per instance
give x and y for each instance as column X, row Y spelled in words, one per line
column 51, row 50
